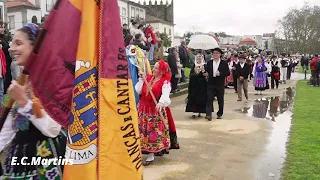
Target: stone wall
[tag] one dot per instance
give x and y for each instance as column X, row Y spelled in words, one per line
column 160, row 9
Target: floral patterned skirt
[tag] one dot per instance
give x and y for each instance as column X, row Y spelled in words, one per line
column 154, row 132
column 29, row 152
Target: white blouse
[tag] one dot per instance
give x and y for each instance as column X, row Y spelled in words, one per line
column 166, row 89
column 46, row 125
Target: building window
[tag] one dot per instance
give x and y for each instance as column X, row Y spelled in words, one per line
column 1, row 18
column 137, row 13
column 124, row 20
column 50, row 4
column 34, row 20
column 169, row 32
column 165, row 30
column 133, row 12
column 141, row 14
column 124, row 11
column 11, row 22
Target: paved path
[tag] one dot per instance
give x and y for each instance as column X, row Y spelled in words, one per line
column 228, row 149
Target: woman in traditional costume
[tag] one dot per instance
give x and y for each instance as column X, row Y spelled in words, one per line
column 28, row 131
column 197, row 90
column 260, row 72
column 155, row 119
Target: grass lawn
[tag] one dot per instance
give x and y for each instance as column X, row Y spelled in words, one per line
column 303, row 148
column 300, row 70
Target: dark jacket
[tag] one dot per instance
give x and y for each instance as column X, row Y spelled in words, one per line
column 224, row 72
column 304, row 61
column 125, row 32
column 140, row 45
column 183, row 55
column 275, row 67
column 172, row 64
column 244, row 72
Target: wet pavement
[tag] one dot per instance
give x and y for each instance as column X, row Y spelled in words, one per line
column 277, row 109
column 247, row 144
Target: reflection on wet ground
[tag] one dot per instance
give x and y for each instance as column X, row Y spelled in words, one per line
column 278, row 110
column 270, row 107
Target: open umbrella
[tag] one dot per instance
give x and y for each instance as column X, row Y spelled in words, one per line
column 203, row 42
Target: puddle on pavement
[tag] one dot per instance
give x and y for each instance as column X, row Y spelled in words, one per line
column 270, row 107
column 278, row 111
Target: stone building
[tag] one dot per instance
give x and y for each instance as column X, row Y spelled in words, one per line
column 21, row 12
column 161, row 16
column 130, row 10
column 1, row 11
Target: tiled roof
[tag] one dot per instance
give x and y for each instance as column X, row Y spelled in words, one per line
column 17, row 3
column 247, row 41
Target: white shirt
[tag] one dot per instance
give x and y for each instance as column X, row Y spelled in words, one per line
column 242, row 65
column 45, row 125
column 215, row 66
column 233, row 62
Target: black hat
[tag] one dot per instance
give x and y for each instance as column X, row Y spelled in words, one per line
column 134, row 22
column 217, row 49
column 241, row 56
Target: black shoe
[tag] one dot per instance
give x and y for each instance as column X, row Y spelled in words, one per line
column 219, row 117
column 193, row 116
column 209, row 118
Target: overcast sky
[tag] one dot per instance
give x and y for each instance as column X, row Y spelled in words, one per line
column 235, row 17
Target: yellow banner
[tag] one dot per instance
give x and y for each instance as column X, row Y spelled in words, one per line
column 103, row 133
column 83, row 129
column 119, row 140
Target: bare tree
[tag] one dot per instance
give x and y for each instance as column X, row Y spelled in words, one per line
column 301, row 29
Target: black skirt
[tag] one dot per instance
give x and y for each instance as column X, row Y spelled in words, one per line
column 197, row 93
column 30, row 146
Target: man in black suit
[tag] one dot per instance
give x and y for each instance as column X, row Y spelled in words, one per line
column 216, row 70
column 242, row 71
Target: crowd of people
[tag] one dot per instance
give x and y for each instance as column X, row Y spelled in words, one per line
column 212, row 71
column 145, row 37
column 241, row 68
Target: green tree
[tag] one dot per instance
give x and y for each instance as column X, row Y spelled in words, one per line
column 221, row 34
column 166, row 40
column 301, row 29
column 187, row 36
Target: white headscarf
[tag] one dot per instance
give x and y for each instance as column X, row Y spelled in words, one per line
column 199, row 56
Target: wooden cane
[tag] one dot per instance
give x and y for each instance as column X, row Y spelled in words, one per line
column 153, row 97
column 6, row 109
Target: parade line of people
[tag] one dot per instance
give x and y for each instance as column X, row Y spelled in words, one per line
column 208, row 79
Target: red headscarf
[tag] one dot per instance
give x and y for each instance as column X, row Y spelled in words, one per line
column 164, row 69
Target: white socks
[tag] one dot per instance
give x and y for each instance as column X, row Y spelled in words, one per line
column 150, row 157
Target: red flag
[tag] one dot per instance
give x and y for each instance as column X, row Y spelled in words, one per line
column 52, row 64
